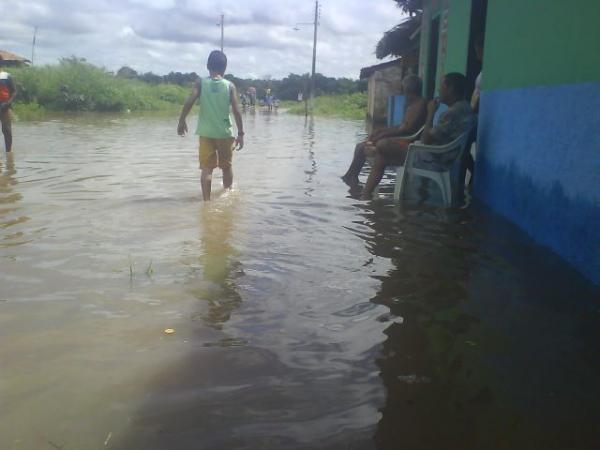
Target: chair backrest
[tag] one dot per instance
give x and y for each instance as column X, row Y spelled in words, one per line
column 399, row 106
column 395, row 110
column 390, row 111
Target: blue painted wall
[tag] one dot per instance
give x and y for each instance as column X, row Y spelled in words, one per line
column 538, row 164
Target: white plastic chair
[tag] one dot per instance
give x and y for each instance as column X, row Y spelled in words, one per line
column 433, row 162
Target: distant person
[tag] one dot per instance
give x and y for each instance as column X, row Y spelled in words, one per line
column 457, row 119
column 390, row 139
column 269, row 100
column 218, row 97
column 252, row 94
column 300, row 96
column 8, row 93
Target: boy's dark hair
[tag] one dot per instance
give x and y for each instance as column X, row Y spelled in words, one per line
column 458, row 83
column 217, row 62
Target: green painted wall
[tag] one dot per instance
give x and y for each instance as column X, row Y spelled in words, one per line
column 541, row 42
column 459, row 23
column 457, row 44
column 432, row 9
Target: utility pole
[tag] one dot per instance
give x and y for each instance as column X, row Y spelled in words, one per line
column 314, row 57
column 315, row 24
column 222, row 30
column 33, row 44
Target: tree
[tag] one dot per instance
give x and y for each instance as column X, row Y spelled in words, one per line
column 411, row 7
column 126, row 72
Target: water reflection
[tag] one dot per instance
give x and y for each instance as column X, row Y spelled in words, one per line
column 460, row 361
column 218, row 262
column 309, row 143
column 9, row 200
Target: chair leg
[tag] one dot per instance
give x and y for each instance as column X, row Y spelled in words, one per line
column 442, row 180
column 445, row 176
column 399, row 186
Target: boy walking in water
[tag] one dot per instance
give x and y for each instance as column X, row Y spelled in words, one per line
column 218, row 97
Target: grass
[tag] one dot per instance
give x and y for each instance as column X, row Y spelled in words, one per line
column 29, row 111
column 75, row 85
column 346, row 106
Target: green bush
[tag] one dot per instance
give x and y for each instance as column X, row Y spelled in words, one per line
column 75, row 85
column 29, row 111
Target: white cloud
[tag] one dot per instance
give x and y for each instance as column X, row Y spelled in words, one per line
column 177, row 35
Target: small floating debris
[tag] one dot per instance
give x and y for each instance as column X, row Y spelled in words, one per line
column 107, row 440
column 169, row 331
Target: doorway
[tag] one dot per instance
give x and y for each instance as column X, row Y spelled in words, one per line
column 434, row 39
column 476, row 33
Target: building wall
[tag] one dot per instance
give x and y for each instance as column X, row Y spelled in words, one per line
column 381, row 85
column 538, row 160
column 459, row 18
column 453, row 49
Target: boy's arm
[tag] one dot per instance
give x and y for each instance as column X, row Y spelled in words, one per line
column 187, row 106
column 237, row 116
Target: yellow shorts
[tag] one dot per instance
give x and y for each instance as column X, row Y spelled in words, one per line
column 216, row 152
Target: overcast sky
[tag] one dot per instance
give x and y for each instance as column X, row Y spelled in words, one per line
column 177, row 35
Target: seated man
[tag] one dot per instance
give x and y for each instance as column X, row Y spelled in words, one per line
column 452, row 123
column 415, row 112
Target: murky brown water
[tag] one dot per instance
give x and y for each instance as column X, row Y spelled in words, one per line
column 303, row 318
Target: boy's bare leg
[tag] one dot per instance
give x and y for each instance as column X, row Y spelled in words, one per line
column 227, row 178
column 206, row 183
column 6, row 129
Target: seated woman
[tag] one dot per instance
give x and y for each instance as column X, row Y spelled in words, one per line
column 457, row 119
column 415, row 113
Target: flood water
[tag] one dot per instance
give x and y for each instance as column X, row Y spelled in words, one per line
column 303, row 318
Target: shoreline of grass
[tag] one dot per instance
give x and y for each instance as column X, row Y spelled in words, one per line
column 343, row 106
column 34, row 112
column 74, row 86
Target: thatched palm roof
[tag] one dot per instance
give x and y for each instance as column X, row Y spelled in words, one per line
column 11, row 57
column 401, row 39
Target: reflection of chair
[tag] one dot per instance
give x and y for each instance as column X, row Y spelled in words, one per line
column 436, row 163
